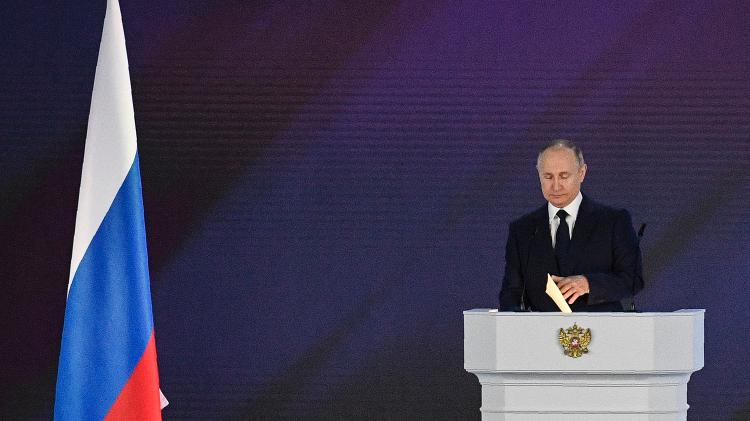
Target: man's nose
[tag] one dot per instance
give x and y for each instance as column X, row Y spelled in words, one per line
column 556, row 184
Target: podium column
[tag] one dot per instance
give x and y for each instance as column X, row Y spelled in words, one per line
column 637, row 365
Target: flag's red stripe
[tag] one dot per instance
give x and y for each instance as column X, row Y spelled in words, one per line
column 139, row 399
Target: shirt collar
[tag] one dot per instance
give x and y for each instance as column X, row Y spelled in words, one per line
column 571, row 209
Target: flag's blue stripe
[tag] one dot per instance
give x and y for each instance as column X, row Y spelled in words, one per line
column 108, row 319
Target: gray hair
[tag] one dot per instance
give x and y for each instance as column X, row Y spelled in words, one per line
column 562, row 144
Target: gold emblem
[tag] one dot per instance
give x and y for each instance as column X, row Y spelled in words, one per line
column 575, row 341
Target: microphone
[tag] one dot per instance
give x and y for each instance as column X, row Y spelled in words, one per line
column 639, row 268
column 526, row 269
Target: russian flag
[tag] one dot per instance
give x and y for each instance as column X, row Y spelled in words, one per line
column 107, row 364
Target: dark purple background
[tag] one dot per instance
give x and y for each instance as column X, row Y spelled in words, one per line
column 327, row 186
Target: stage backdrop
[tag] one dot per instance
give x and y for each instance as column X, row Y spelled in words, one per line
column 328, row 187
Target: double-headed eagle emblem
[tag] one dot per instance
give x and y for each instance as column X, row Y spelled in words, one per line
column 575, row 341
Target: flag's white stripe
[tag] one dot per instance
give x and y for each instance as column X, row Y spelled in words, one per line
column 110, row 137
column 163, row 402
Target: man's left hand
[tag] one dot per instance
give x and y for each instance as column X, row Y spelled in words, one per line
column 572, row 287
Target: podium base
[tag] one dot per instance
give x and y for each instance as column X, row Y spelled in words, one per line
column 583, row 397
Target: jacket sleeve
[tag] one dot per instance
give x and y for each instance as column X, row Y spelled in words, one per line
column 512, row 286
column 625, row 274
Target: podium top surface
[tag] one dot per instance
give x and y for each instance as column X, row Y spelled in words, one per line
column 494, row 312
column 624, row 343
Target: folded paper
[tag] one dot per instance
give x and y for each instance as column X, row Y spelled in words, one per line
column 554, row 292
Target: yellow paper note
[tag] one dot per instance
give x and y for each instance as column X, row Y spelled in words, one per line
column 554, row 292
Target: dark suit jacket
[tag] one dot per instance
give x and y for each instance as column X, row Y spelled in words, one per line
column 603, row 247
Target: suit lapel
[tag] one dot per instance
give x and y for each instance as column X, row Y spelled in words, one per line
column 542, row 247
column 584, row 227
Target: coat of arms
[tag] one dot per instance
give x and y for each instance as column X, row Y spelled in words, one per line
column 575, row 341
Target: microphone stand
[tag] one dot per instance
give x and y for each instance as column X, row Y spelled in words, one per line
column 526, row 269
column 639, row 272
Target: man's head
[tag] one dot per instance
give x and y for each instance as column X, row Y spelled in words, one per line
column 561, row 171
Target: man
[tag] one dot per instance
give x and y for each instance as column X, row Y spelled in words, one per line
column 590, row 250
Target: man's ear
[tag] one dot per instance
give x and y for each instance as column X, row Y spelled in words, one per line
column 582, row 171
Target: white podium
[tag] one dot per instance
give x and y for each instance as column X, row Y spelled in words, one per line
column 637, row 366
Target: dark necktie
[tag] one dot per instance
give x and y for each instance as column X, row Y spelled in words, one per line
column 562, row 239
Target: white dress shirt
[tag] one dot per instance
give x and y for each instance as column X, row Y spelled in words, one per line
column 571, row 209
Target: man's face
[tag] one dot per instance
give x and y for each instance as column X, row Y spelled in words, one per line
column 560, row 176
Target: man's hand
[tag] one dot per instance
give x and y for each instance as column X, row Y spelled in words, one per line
column 572, row 287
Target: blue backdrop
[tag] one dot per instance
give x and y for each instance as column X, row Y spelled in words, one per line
column 328, row 186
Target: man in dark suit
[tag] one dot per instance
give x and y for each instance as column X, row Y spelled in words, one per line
column 590, row 250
